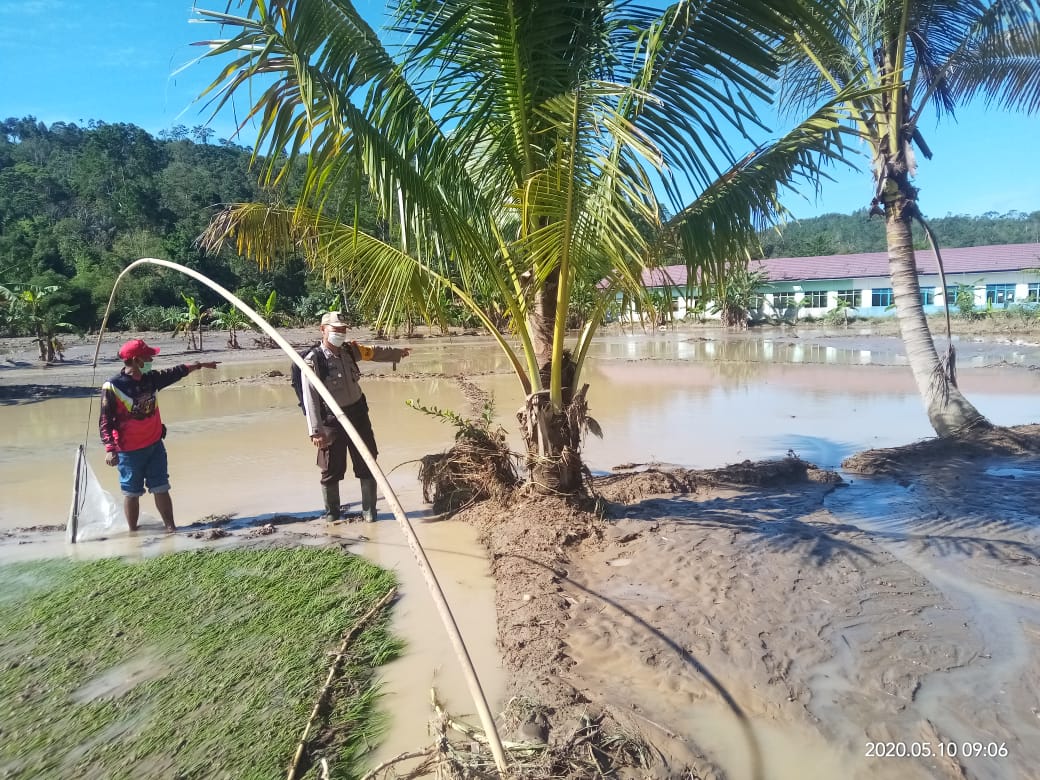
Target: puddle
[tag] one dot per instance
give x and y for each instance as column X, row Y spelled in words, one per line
column 121, row 679
column 429, row 662
column 757, row 749
column 974, row 535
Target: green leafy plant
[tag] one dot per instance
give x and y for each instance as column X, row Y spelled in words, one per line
column 232, row 320
column 840, row 314
column 465, row 428
column 964, row 300
column 189, row 321
column 266, row 309
column 739, row 296
column 479, row 464
column 32, row 308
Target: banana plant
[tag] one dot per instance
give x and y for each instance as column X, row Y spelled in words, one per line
column 266, row 309
column 232, row 320
column 189, row 320
column 29, row 308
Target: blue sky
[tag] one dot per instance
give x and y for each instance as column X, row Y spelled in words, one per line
column 77, row 60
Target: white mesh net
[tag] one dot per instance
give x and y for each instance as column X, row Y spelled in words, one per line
column 95, row 514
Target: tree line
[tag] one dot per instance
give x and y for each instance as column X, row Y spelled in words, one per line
column 78, row 204
column 835, row 234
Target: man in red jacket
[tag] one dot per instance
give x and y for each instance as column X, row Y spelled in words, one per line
column 132, row 429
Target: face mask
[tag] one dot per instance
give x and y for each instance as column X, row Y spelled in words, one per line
column 146, row 367
column 336, row 339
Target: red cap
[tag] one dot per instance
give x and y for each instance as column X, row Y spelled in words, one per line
column 136, row 348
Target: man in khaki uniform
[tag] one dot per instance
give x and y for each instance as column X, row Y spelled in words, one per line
column 336, row 360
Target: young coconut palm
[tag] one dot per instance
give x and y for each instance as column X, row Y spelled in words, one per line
column 516, row 149
column 905, row 55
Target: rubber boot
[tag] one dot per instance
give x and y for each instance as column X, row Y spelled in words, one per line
column 369, row 490
column 330, row 493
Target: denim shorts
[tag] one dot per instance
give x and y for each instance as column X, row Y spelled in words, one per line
column 146, row 466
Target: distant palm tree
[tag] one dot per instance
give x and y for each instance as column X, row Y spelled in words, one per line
column 516, row 151
column 739, row 298
column 267, row 309
column 232, row 320
column 905, row 55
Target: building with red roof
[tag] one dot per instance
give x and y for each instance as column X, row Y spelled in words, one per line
column 995, row 276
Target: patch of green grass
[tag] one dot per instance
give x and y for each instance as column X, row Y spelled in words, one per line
column 196, row 665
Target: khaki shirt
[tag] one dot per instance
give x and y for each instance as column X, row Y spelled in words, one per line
column 343, row 378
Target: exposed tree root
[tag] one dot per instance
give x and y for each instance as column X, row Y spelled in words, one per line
column 479, row 466
column 460, row 750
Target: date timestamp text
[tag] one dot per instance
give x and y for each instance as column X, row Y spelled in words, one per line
column 937, row 749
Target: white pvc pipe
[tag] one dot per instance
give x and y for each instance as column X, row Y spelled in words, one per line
column 447, row 618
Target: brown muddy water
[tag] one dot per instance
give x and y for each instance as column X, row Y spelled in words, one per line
column 239, row 447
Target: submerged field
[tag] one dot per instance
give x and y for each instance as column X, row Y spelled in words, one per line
column 194, row 665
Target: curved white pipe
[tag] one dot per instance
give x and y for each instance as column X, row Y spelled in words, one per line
column 475, row 689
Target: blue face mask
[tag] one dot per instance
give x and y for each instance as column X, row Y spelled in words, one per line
column 146, row 367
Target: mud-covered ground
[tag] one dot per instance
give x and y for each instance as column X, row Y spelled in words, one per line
column 761, row 620
column 748, row 623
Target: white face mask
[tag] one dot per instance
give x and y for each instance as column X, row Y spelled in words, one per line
column 336, row 339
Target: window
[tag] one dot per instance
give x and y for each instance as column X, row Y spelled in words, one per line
column 815, row 299
column 927, row 296
column 881, row 296
column 1033, row 296
column 1000, row 294
column 784, row 300
column 848, row 297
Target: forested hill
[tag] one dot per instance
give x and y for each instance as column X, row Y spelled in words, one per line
column 77, row 204
column 833, row 234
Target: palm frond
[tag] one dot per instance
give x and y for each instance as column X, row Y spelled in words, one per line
column 716, row 230
column 999, row 60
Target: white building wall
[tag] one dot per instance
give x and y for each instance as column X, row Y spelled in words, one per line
column 864, row 288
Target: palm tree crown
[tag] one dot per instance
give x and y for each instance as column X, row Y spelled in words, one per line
column 905, row 56
column 518, row 151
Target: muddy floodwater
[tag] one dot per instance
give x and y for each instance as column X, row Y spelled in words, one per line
column 237, row 445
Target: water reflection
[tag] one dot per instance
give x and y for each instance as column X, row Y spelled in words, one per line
column 753, row 349
column 744, row 350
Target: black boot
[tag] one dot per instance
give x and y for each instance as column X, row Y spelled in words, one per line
column 369, row 490
column 330, row 494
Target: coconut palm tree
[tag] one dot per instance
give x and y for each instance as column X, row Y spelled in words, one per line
column 907, row 56
column 514, row 150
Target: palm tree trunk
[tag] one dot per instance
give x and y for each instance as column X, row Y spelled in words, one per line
column 949, row 412
column 554, row 462
column 543, row 319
